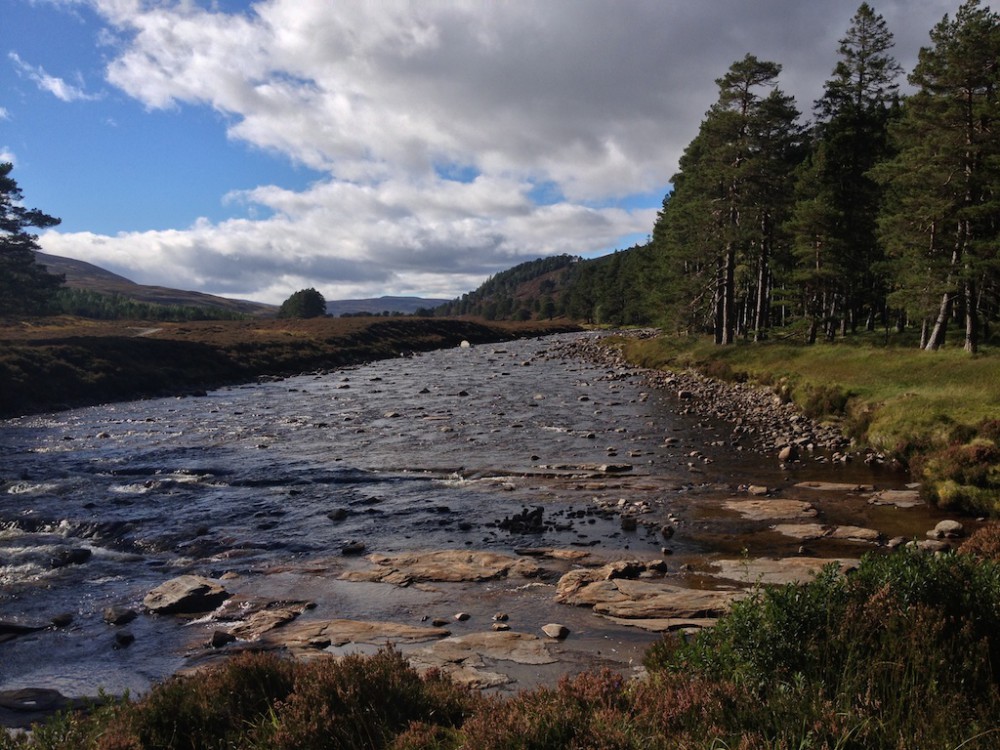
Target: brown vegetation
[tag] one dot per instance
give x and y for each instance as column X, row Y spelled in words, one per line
column 54, row 363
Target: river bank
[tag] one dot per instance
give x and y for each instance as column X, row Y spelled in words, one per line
column 52, row 364
column 456, row 503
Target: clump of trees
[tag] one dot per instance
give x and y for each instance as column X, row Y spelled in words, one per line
column 305, row 303
column 882, row 212
column 26, row 287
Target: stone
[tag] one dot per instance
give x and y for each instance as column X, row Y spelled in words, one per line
column 73, row 556
column 443, row 565
column 555, row 630
column 949, row 529
column 462, row 616
column 899, row 498
column 353, row 548
column 313, row 634
column 770, row 509
column 780, row 571
column 802, row 531
column 856, row 534
column 501, row 626
column 119, row 615
column 463, row 658
column 124, row 639
column 187, row 594
column 62, row 620
column 788, row 453
column 221, row 638
column 757, row 489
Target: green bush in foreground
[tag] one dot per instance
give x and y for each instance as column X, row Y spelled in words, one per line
column 902, row 653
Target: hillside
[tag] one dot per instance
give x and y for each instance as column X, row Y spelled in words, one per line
column 88, row 277
column 379, row 305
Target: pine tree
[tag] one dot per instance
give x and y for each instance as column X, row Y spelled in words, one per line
column 718, row 230
column 941, row 227
column 836, row 245
column 26, row 287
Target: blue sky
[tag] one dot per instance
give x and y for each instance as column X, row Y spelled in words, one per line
column 254, row 148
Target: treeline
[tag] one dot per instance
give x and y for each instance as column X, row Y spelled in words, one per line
column 89, row 304
column 526, row 291
column 884, row 212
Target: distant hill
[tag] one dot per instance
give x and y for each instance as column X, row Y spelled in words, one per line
column 616, row 289
column 377, row 306
column 82, row 275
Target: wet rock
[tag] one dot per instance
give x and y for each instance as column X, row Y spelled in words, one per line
column 353, row 548
column 801, row 531
column 525, row 522
column 947, row 529
column 930, row 546
column 25, row 706
column 835, row 487
column 462, row 616
column 629, row 523
column 11, row 630
column 62, row 620
column 340, row 514
column 555, row 630
column 119, row 615
column 856, row 534
column 771, row 509
column 464, row 658
column 220, row 639
column 250, row 619
column 188, row 594
column 320, row 634
column 124, row 639
column 444, row 566
column 73, row 556
column 777, row 571
column 899, row 498
column 788, row 453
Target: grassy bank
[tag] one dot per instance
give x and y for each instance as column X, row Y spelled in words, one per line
column 50, row 364
column 938, row 412
column 902, row 653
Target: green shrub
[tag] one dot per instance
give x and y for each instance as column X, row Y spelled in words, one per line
column 962, row 477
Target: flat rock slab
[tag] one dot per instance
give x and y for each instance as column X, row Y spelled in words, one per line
column 466, row 658
column 19, row 709
column 252, row 619
column 779, row 571
column 770, row 509
column 659, row 601
column 835, row 487
column 185, row 595
column 805, row 532
column 319, row 634
column 666, row 625
column 856, row 534
column 443, row 566
column 899, row 498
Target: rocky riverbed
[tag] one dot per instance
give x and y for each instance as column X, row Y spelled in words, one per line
column 506, row 513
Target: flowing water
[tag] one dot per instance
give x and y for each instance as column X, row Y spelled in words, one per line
column 269, row 482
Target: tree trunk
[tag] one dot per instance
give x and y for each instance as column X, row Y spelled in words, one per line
column 936, row 339
column 971, row 318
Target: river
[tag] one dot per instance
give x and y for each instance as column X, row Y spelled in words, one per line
column 268, row 484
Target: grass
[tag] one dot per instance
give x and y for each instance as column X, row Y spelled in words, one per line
column 904, row 652
column 930, row 410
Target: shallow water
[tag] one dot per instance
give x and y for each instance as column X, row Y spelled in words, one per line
column 427, row 452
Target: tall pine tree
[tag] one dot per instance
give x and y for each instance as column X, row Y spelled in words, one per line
column 941, row 225
column 836, row 244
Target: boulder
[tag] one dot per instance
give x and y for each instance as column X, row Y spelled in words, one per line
column 187, row 594
column 770, row 509
column 555, row 630
column 948, row 529
column 119, row 615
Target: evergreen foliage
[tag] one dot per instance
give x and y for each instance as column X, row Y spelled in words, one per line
column 25, row 286
column 86, row 303
column 305, row 303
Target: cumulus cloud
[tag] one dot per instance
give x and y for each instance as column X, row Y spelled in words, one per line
column 589, row 102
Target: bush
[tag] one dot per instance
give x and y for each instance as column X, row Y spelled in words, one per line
column 962, row 477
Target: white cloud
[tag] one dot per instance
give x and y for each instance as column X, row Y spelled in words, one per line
column 58, row 87
column 7, row 156
column 4, row 114
column 589, row 100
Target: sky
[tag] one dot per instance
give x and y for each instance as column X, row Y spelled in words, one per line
column 378, row 147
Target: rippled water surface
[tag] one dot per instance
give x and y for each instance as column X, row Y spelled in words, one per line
column 270, row 481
